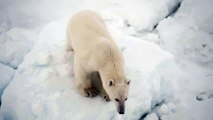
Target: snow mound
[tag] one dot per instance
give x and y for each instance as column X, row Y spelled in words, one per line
column 6, row 74
column 141, row 14
column 15, row 44
column 44, row 88
column 151, row 116
column 163, row 110
column 189, row 33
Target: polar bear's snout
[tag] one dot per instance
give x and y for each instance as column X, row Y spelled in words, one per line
column 121, row 108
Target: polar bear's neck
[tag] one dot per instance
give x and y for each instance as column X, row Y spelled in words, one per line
column 112, row 70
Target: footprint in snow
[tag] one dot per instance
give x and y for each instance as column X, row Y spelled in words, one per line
column 203, row 96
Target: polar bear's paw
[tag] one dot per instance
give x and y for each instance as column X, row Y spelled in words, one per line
column 105, row 96
column 91, row 92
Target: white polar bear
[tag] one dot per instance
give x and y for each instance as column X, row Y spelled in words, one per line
column 96, row 52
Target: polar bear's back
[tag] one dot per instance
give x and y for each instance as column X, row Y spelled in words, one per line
column 84, row 28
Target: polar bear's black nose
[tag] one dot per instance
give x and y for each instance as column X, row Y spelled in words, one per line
column 121, row 110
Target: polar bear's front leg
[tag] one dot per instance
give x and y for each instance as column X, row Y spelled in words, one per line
column 84, row 84
column 104, row 95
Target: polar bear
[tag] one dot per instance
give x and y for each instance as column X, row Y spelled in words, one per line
column 96, row 53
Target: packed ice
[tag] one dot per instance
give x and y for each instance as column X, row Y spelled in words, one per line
column 167, row 46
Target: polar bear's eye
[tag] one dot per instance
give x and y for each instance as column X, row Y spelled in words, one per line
column 116, row 99
column 125, row 99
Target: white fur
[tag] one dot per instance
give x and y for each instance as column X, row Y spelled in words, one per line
column 95, row 50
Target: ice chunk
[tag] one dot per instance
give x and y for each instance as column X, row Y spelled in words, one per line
column 151, row 116
column 189, row 35
column 163, row 110
column 15, row 44
column 6, row 74
column 144, row 15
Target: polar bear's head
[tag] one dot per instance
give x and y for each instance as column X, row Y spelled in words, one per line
column 118, row 93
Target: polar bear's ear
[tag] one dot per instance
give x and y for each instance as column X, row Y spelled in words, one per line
column 111, row 82
column 128, row 82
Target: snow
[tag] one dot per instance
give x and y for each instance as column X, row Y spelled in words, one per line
column 163, row 110
column 190, row 36
column 171, row 107
column 168, row 56
column 145, row 14
column 47, row 90
column 44, row 58
column 12, row 53
column 151, row 116
column 6, row 74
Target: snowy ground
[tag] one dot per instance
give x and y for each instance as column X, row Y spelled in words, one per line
column 166, row 44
